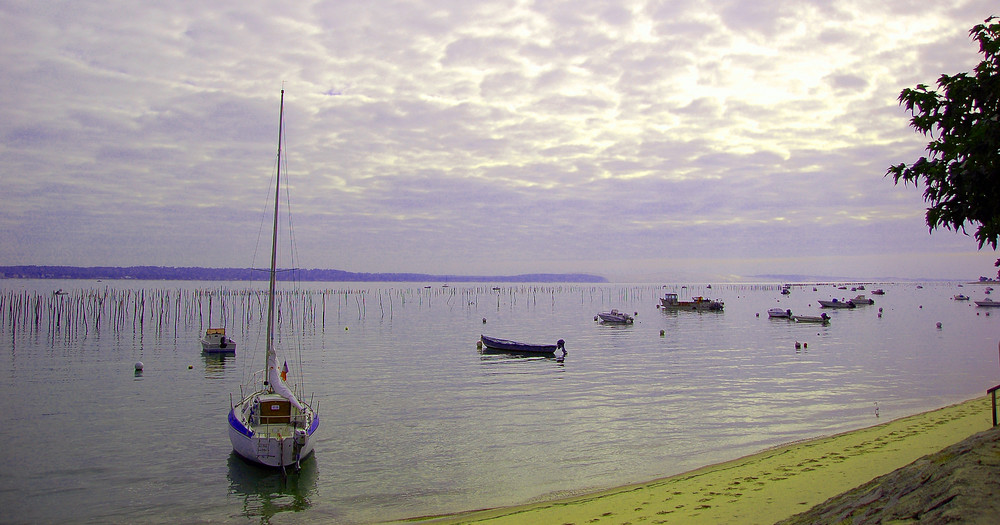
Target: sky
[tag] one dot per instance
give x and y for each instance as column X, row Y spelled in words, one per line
column 642, row 141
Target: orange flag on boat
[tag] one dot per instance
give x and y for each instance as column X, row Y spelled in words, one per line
column 284, row 371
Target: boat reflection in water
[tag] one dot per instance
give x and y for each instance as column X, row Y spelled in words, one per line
column 215, row 364
column 267, row 491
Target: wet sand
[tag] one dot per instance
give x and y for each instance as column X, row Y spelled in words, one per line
column 766, row 487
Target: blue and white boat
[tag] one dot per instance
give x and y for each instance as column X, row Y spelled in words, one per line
column 270, row 424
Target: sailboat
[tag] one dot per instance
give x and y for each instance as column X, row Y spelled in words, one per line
column 271, row 425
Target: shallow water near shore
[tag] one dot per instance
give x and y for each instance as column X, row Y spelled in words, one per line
column 416, row 421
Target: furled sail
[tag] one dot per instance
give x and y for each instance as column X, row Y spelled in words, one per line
column 274, row 379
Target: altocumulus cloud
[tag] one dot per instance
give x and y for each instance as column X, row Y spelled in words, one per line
column 640, row 140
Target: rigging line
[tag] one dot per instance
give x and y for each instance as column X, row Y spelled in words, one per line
column 292, row 240
column 250, row 365
column 294, row 257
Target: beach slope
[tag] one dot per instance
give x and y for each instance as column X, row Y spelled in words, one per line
column 777, row 483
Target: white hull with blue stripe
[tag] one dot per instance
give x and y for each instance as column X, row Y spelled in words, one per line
column 273, row 441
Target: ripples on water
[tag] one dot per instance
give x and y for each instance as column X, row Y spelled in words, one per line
column 416, row 421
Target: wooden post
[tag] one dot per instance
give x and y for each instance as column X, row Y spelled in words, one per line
column 993, row 394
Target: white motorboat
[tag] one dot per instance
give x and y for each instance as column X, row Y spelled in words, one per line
column 614, row 316
column 961, row 297
column 778, row 313
column 836, row 303
column 823, row 318
column 988, row 302
column 270, row 424
column 861, row 300
column 215, row 341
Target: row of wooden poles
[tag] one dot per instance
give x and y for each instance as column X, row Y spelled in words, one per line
column 120, row 310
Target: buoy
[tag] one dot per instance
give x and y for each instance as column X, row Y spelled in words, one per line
column 805, row 345
column 798, row 345
column 345, row 328
column 138, row 366
column 662, row 333
column 484, row 320
column 758, row 314
column 190, row 367
column 938, row 325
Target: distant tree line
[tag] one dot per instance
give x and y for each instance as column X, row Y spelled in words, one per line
column 192, row 273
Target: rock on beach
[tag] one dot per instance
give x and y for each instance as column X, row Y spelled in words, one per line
column 959, row 484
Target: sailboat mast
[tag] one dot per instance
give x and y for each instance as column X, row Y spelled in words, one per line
column 274, row 237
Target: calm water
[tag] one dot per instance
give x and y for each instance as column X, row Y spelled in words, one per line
column 415, row 421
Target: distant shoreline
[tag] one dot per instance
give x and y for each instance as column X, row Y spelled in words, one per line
column 193, row 273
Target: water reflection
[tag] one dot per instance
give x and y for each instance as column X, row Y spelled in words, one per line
column 267, row 492
column 215, row 363
column 493, row 356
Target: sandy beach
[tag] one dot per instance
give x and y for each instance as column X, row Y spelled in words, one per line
column 766, row 487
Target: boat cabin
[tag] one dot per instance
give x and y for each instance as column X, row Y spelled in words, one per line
column 274, row 410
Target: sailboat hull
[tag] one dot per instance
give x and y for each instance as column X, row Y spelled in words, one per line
column 275, row 444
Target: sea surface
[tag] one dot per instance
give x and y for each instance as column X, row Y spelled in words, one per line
column 416, row 421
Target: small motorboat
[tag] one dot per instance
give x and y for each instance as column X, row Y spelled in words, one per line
column 823, row 318
column 778, row 313
column 614, row 316
column 861, row 300
column 506, row 345
column 961, row 297
column 836, row 303
column 215, row 341
column 878, row 291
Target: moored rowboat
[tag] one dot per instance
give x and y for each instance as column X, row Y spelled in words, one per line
column 506, row 345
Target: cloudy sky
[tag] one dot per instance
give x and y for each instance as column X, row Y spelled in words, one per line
column 639, row 140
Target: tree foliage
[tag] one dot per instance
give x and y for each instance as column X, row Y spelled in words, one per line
column 962, row 168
